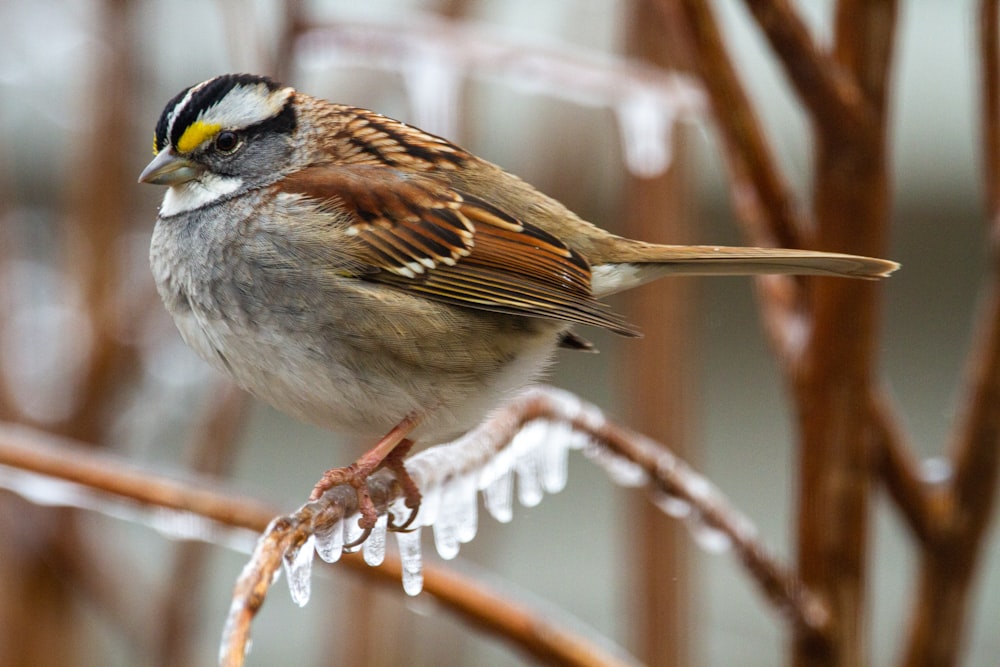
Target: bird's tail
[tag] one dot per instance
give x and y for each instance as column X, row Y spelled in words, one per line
column 639, row 262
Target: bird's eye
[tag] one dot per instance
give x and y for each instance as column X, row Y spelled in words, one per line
column 227, row 142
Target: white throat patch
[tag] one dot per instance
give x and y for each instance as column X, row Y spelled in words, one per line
column 197, row 193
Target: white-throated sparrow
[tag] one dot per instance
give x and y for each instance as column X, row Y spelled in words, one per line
column 361, row 274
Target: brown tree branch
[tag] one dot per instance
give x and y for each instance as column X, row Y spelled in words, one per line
column 212, row 449
column 676, row 480
column 95, row 227
column 834, row 380
column 919, row 505
column 833, row 99
column 42, row 453
column 671, row 477
column 761, row 197
column 949, row 564
column 989, row 77
column 660, row 367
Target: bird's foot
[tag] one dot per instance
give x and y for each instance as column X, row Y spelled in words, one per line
column 389, row 453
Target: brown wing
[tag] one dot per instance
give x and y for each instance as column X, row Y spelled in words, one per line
column 424, row 237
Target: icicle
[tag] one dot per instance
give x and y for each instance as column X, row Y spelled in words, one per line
column 531, row 436
column 498, row 497
column 430, row 502
column 446, row 527
column 707, row 537
column 330, row 541
column 555, row 457
column 457, row 519
column 411, row 561
column 935, row 470
column 352, row 533
column 671, row 505
column 374, row 546
column 433, row 81
column 645, row 122
column 298, row 569
column 529, row 486
column 466, row 508
column 621, row 471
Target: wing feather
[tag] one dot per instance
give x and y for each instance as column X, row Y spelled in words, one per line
column 422, row 236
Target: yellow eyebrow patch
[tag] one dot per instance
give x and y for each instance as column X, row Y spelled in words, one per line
column 195, row 134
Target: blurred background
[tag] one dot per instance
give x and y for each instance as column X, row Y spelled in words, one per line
column 87, row 351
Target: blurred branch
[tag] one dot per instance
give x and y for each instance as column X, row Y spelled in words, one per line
column 476, row 452
column 98, row 212
column 211, row 452
column 900, row 473
column 44, row 454
column 762, row 198
column 40, row 452
column 949, row 564
column 989, row 77
column 660, row 367
column 829, row 366
column 294, row 25
column 832, row 98
column 834, row 380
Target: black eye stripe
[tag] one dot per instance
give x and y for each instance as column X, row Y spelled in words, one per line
column 283, row 123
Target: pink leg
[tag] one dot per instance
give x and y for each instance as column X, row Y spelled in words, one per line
column 356, row 474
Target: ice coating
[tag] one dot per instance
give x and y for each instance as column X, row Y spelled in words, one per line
column 330, row 541
column 435, row 58
column 411, row 560
column 498, row 496
column 298, row 571
column 374, row 546
column 433, row 82
column 352, row 533
column 645, row 123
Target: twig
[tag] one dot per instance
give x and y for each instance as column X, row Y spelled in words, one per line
column 39, row 452
column 762, row 199
column 834, row 380
column 674, row 478
column 989, row 76
column 211, row 451
column 36, row 452
column 949, row 563
column 896, row 468
column 833, row 98
column 475, row 452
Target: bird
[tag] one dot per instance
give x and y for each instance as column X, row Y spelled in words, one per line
column 366, row 276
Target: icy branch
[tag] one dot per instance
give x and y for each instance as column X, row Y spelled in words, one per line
column 56, row 471
column 528, row 439
column 433, row 55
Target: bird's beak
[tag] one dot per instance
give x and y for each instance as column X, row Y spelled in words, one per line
column 168, row 168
